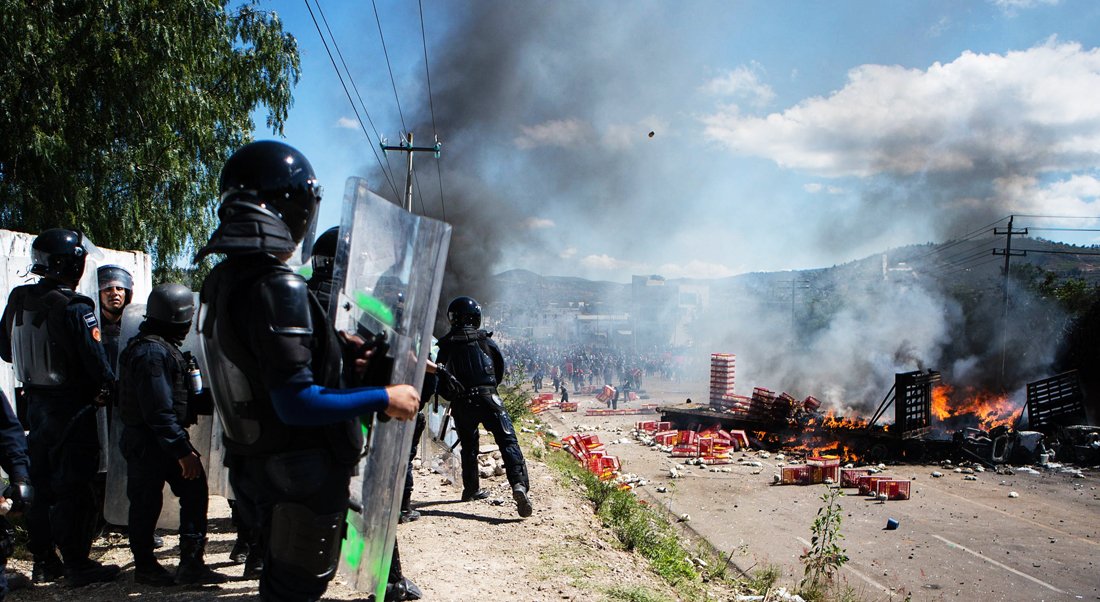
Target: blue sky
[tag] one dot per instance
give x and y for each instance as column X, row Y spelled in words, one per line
column 786, row 135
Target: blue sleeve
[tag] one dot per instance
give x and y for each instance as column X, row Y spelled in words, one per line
column 299, row 402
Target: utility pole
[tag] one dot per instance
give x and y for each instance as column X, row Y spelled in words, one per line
column 406, row 146
column 1008, row 253
column 795, row 284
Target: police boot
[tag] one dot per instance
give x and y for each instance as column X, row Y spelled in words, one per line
column 192, row 568
column 402, row 590
column 523, row 502
column 150, row 572
column 88, row 571
column 254, row 562
column 479, row 494
column 239, row 553
column 47, row 569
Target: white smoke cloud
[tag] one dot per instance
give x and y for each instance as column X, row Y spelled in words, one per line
column 606, row 262
column 694, row 269
column 559, row 132
column 1033, row 109
column 347, row 123
column 536, row 223
column 818, row 187
column 742, row 83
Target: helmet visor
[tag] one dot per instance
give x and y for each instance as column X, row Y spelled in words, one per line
column 90, row 249
column 311, row 230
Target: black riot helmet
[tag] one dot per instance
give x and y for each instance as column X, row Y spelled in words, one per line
column 275, row 177
column 171, row 303
column 59, row 253
column 112, row 276
column 324, row 249
column 464, row 311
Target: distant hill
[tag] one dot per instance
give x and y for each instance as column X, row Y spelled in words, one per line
column 952, row 264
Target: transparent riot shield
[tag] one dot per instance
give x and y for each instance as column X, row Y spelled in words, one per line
column 116, row 505
column 389, row 270
column 89, row 286
column 206, row 433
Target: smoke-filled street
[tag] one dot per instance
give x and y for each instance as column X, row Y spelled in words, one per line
column 956, row 539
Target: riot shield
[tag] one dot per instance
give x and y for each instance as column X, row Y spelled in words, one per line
column 89, row 286
column 388, row 273
column 206, row 433
column 205, row 437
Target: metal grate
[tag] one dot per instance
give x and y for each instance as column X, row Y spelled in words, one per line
column 913, row 402
column 1055, row 401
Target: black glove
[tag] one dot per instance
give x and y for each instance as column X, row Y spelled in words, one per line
column 21, row 495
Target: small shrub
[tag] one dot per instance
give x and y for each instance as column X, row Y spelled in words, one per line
column 825, row 556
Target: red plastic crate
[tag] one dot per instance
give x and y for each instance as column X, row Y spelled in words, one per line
column 867, row 484
column 848, row 476
column 799, row 475
column 895, row 489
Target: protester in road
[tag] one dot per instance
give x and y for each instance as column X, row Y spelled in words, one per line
column 275, row 367
column 52, row 335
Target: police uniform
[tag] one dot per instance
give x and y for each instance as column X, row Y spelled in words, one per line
column 475, row 360
column 53, row 336
column 154, row 397
column 274, row 362
column 13, row 459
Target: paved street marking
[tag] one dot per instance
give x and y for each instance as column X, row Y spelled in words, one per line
column 848, row 567
column 1015, row 517
column 995, row 563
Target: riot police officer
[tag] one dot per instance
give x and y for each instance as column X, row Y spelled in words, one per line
column 116, row 291
column 154, row 395
column 52, row 335
column 275, row 370
column 473, row 358
column 13, row 458
column 322, row 284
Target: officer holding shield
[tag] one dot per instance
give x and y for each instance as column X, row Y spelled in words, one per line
column 275, row 370
column 155, row 391
column 475, row 361
column 52, row 335
column 116, row 291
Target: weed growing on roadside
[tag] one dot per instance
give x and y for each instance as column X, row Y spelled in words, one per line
column 634, row 594
column 637, row 527
column 825, row 556
column 765, row 578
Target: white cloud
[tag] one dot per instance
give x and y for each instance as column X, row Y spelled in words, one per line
column 695, row 269
column 537, row 223
column 560, row 132
column 568, row 253
column 347, row 123
column 606, row 262
column 1035, row 110
column 1011, row 6
column 742, row 83
column 817, row 187
column 1078, row 195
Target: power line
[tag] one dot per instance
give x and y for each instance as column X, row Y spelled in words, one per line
column 431, row 105
column 1066, row 229
column 386, row 52
column 347, row 93
column 1060, row 252
column 964, row 239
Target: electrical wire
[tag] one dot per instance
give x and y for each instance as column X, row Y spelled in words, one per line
column 347, row 93
column 431, row 105
column 386, row 52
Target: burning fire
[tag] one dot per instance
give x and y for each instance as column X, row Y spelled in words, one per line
column 988, row 410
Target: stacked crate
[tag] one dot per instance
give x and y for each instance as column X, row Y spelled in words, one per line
column 721, row 380
column 830, row 467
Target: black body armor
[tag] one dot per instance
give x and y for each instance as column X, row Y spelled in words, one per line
column 129, row 404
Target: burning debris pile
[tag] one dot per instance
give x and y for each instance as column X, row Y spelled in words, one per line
column 931, row 421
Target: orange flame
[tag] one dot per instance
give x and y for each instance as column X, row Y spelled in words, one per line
column 989, row 410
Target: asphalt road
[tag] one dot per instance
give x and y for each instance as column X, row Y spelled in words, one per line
column 957, row 539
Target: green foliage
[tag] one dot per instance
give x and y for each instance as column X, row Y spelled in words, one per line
column 825, row 556
column 765, row 578
column 515, row 400
column 117, row 115
column 638, row 527
column 628, row 593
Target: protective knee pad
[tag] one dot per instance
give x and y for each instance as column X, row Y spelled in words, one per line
column 304, row 541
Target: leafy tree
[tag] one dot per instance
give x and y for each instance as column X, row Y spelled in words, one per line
column 116, row 115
